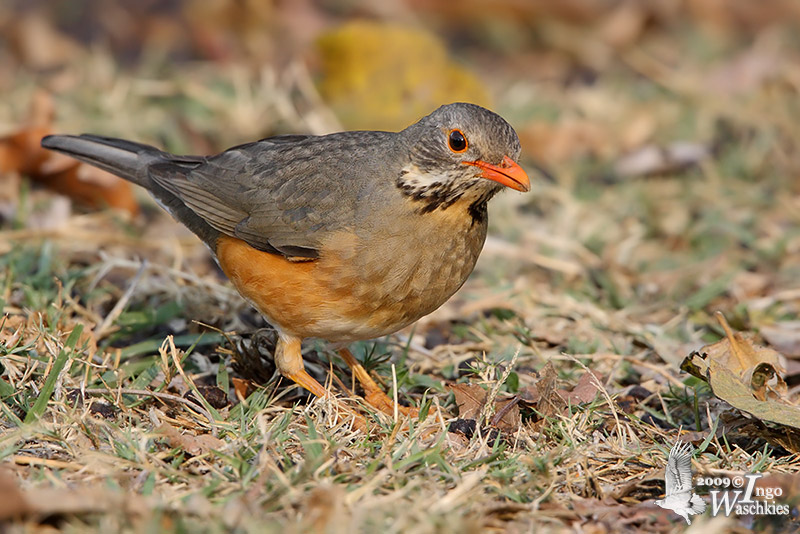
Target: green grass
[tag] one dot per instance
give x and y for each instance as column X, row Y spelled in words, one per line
column 117, row 430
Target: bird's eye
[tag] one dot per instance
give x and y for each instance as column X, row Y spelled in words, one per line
column 457, row 141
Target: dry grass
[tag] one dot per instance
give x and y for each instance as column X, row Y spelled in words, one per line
column 593, row 269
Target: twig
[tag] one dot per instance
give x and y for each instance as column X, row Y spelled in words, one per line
column 147, row 393
column 118, row 308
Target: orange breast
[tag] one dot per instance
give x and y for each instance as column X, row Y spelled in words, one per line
column 306, row 298
column 360, row 287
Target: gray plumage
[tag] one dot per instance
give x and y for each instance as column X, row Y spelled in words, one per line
column 287, row 194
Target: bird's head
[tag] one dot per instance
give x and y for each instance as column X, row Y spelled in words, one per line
column 460, row 151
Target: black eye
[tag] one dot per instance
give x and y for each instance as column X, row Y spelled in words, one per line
column 457, row 141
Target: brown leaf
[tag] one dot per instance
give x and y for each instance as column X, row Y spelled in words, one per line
column 507, row 417
column 761, row 368
column 545, row 396
column 470, row 399
column 192, row 444
column 12, row 502
column 746, row 376
column 22, row 153
column 242, row 387
column 784, row 336
column 585, row 390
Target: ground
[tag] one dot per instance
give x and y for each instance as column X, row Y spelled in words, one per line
column 138, row 390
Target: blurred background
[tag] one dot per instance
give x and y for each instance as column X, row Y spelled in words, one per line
column 668, row 129
column 668, row 133
column 204, row 73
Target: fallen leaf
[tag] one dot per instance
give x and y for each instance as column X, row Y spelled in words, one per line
column 544, row 393
column 761, row 368
column 242, row 387
column 730, row 388
column 784, row 336
column 470, row 399
column 192, row 444
column 746, row 376
column 585, row 390
column 506, row 416
column 12, row 502
column 21, row 153
column 651, row 159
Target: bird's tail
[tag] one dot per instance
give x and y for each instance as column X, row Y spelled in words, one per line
column 134, row 162
column 697, row 504
column 126, row 159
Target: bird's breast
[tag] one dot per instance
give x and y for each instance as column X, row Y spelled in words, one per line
column 367, row 282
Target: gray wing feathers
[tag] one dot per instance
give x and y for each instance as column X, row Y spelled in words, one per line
column 281, row 195
column 679, row 469
column 219, row 215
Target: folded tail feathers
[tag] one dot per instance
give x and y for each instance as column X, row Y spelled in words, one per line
column 134, row 162
column 126, row 159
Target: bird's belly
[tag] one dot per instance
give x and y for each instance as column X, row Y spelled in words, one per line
column 351, row 292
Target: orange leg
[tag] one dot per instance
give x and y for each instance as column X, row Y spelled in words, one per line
column 289, row 361
column 373, row 393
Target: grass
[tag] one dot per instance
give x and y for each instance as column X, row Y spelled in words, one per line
column 138, row 393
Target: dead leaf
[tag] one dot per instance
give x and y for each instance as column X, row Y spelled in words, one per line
column 242, row 387
column 651, row 159
column 192, row 444
column 784, row 336
column 544, row 393
column 585, row 390
column 730, row 388
column 470, row 399
column 761, row 368
column 507, row 417
column 22, row 153
column 746, row 376
column 12, row 502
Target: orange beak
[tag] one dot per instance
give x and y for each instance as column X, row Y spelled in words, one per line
column 508, row 173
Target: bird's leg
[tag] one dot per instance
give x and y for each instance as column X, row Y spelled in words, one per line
column 373, row 393
column 289, row 361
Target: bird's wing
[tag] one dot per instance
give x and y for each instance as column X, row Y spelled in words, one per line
column 282, row 195
column 679, row 470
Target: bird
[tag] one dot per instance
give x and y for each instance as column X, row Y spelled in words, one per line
column 679, row 496
column 344, row 237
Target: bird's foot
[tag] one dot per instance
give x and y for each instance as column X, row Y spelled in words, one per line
column 373, row 394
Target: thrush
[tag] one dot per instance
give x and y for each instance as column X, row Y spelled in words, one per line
column 348, row 236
